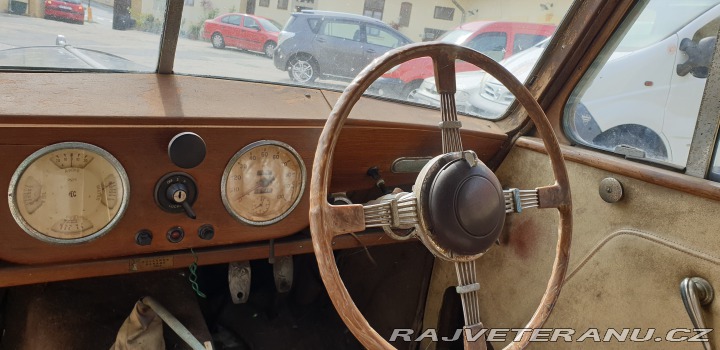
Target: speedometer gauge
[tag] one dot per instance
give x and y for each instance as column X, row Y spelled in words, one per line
column 69, row 192
column 263, row 182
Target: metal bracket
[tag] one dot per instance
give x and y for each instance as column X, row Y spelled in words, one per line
column 450, row 124
column 239, row 274
column 283, row 273
column 474, row 287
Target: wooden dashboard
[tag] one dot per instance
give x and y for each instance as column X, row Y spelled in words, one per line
column 134, row 117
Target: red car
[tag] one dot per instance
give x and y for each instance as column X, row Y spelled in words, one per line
column 497, row 40
column 72, row 10
column 243, row 31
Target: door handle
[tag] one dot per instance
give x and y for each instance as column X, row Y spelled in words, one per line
column 320, row 40
column 370, row 51
column 695, row 293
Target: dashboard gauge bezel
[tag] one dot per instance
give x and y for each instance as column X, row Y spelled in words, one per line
column 35, row 156
column 237, row 156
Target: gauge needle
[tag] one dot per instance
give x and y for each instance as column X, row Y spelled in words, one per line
column 260, row 183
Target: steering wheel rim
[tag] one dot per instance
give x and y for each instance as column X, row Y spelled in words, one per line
column 327, row 221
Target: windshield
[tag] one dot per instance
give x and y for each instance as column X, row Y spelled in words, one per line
column 456, row 37
column 322, row 44
column 270, row 25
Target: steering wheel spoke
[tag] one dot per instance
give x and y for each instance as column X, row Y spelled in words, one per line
column 342, row 219
column 397, row 214
column 446, row 86
column 517, row 200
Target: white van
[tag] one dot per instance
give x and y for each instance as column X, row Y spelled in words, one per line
column 636, row 101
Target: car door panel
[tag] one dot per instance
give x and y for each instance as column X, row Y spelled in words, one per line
column 626, row 262
column 339, row 42
column 251, row 37
column 233, row 30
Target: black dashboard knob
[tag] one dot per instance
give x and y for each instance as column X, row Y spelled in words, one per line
column 187, row 150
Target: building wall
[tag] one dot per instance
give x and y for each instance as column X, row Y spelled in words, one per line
column 422, row 13
column 421, row 17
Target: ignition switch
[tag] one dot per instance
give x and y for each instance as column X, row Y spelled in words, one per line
column 176, row 193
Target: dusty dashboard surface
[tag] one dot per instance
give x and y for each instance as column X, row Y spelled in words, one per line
column 122, row 175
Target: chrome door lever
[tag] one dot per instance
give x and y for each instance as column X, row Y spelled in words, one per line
column 696, row 292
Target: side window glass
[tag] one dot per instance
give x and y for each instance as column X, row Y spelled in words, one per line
column 225, row 19
column 250, row 22
column 641, row 97
column 525, row 41
column 343, row 30
column 491, row 44
column 314, row 24
column 714, row 173
column 380, row 36
column 234, row 20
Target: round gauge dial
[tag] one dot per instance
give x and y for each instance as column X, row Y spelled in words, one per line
column 263, row 182
column 69, row 192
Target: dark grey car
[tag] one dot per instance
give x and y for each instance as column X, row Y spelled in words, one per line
column 317, row 44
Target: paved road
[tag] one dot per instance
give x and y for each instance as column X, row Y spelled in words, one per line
column 102, row 14
column 192, row 57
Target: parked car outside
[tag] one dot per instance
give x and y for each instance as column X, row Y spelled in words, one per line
column 334, row 45
column 466, row 84
column 243, row 31
column 490, row 99
column 495, row 39
column 637, row 103
column 71, row 10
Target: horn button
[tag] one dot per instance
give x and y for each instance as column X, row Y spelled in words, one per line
column 465, row 205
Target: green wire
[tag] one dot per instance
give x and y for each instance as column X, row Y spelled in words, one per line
column 193, row 276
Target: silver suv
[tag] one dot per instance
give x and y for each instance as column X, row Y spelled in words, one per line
column 332, row 45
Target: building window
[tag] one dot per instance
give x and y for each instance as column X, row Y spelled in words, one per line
column 189, row 2
column 445, row 13
column 374, row 8
column 282, row 4
column 405, row 9
column 300, row 5
column 264, row 3
column 432, row 34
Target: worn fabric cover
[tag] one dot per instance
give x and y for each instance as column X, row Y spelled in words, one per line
column 142, row 330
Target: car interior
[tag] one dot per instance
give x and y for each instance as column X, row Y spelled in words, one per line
column 173, row 207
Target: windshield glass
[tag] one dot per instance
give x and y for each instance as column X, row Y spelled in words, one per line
column 270, row 25
column 56, row 35
column 455, row 37
column 322, row 44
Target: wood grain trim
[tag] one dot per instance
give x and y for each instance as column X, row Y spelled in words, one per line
column 160, row 99
column 681, row 182
column 16, row 275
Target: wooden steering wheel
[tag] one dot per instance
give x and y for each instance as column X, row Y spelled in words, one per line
column 457, row 207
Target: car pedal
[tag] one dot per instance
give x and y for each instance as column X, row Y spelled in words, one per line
column 239, row 274
column 283, row 273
